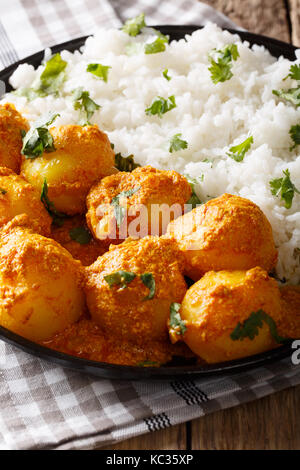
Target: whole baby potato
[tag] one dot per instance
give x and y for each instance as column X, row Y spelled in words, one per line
column 12, row 124
column 226, row 233
column 40, row 283
column 150, row 199
column 83, row 155
column 130, row 289
column 17, row 196
column 214, row 306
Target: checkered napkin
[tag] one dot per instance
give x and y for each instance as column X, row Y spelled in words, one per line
column 44, row 406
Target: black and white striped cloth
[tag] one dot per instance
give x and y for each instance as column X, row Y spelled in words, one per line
column 43, row 406
column 27, row 26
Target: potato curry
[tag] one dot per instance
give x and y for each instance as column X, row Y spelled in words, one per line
column 87, row 267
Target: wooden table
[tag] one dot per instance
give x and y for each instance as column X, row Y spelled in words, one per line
column 272, row 422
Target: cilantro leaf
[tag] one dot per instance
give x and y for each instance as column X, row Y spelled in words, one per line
column 194, row 200
column 120, row 211
column 50, row 80
column 159, row 45
column 176, row 323
column 295, row 136
column 3, row 191
column 250, row 327
column 160, row 34
column 58, row 217
column 291, row 95
column 239, row 151
column 134, row 26
column 165, row 74
column 85, row 105
column 294, row 72
column 53, row 75
column 101, row 71
column 161, row 106
column 284, row 188
column 220, row 69
column 80, row 235
column 149, row 281
column 177, row 144
column 125, row 163
column 119, row 278
column 38, row 139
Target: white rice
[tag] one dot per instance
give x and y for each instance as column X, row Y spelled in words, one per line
column 211, row 117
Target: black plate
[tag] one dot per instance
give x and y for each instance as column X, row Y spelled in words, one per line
column 101, row 369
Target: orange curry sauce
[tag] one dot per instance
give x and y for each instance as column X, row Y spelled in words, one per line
column 85, row 339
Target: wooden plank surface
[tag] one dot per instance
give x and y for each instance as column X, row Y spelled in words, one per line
column 274, row 421
column 294, row 11
column 270, row 423
column 268, row 17
column 173, row 438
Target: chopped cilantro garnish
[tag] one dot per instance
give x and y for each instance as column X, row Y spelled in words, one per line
column 292, row 95
column 220, row 68
column 3, row 191
column 101, row 71
column 53, row 75
column 85, row 105
column 120, row 211
column 177, row 144
column 125, row 163
column 123, row 278
column 161, row 106
column 149, row 281
column 50, row 80
column 284, row 188
column 160, row 34
column 194, row 200
column 295, row 136
column 134, row 26
column 80, row 235
column 165, row 74
column 119, row 278
column 58, row 217
column 239, row 151
column 294, row 72
column 159, row 45
column 250, row 327
column 38, row 139
column 176, row 323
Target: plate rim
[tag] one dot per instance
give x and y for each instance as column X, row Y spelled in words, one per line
column 116, row 371
column 106, row 369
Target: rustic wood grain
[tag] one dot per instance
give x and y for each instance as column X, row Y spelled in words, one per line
column 270, row 423
column 173, row 438
column 294, row 6
column 268, row 17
